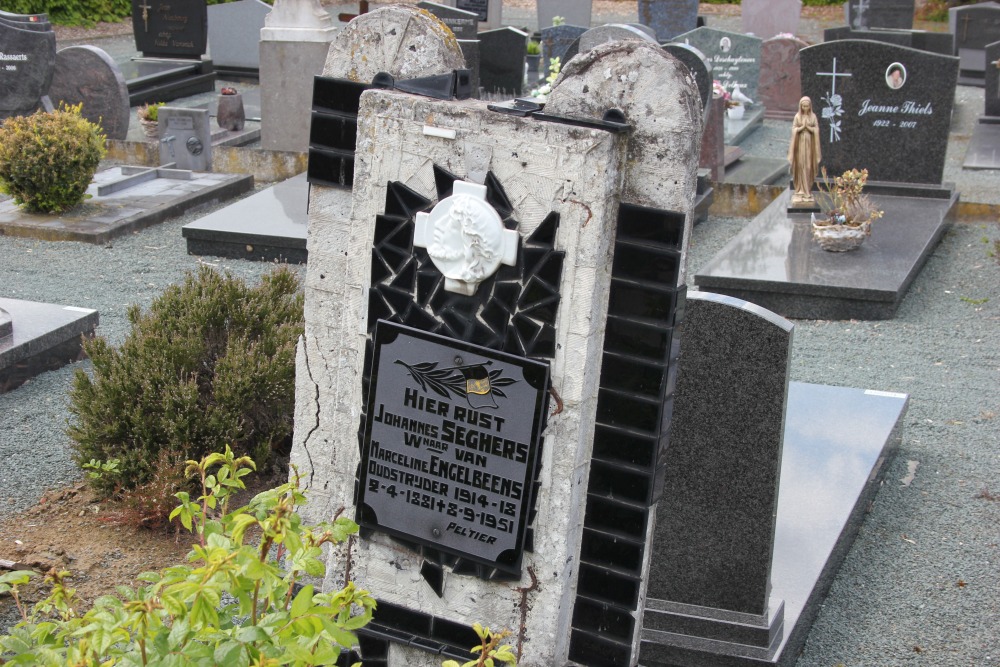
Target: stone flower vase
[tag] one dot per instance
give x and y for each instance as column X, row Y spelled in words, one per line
column 230, row 115
column 150, row 128
column 840, row 238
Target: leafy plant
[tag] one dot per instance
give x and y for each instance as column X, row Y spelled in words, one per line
column 47, row 160
column 213, row 360
column 843, row 202
column 234, row 604
column 490, row 650
column 534, row 48
column 558, row 20
column 150, row 112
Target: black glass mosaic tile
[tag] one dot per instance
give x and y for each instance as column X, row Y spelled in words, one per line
column 603, row 618
column 641, row 339
column 588, row 648
column 634, row 262
column 654, row 226
column 632, row 300
column 403, row 201
column 624, row 446
column 444, row 182
column 631, row 375
column 629, row 410
column 597, row 583
column 333, row 95
column 545, row 234
column 607, row 550
column 434, row 576
column 615, row 516
column 612, row 481
column 333, row 131
column 330, row 167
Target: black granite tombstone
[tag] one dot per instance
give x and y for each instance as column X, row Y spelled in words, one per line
column 933, row 42
column 501, row 61
column 865, row 14
column 479, row 7
column 697, row 64
column 992, row 95
column 881, row 107
column 27, row 60
column 974, row 26
column 170, row 28
column 463, row 23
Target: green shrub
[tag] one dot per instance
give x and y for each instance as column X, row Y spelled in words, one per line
column 213, row 360
column 47, row 160
column 233, row 603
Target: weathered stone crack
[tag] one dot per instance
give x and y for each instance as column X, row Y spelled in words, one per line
column 315, row 426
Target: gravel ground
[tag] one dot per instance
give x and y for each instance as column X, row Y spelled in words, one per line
column 921, row 585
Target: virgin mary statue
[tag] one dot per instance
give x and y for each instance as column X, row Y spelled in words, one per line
column 804, row 152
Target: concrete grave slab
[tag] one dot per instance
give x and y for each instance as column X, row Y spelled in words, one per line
column 135, row 198
column 40, row 337
column 775, row 263
column 984, row 146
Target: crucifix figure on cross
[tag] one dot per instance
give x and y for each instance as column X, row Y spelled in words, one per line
column 858, row 8
column 834, row 106
column 145, row 15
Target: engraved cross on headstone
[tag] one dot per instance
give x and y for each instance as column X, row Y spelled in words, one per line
column 833, row 74
column 859, row 8
column 965, row 26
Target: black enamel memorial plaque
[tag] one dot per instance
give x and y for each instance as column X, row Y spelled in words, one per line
column 170, row 28
column 451, row 444
column 480, row 7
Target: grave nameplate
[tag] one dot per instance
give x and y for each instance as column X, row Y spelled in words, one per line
column 186, row 138
column 865, row 14
column 669, row 18
column 27, row 58
column 992, row 105
column 735, row 58
column 170, row 28
column 463, row 23
column 481, row 8
column 974, row 27
column 872, row 97
column 767, row 18
column 451, row 444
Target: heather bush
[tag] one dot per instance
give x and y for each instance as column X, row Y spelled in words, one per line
column 212, row 360
column 47, row 160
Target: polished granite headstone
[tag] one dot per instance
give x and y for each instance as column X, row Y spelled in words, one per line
column 899, row 135
column 27, row 60
column 866, row 14
column 669, row 18
column 234, row 36
column 775, row 263
column 87, row 75
column 714, row 535
column 39, row 337
column 170, row 28
column 780, row 76
column 831, row 469
column 735, row 58
column 984, row 146
column 501, row 60
column 933, row 42
column 974, row 26
column 697, row 64
column 268, row 226
column 991, row 95
column 464, row 24
column 559, row 41
column 767, row 18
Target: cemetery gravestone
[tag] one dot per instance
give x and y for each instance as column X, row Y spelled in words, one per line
column 974, row 26
column 27, row 60
column 573, row 12
column 294, row 45
column 767, row 18
column 612, row 32
column 489, row 12
column 559, row 41
column 170, row 28
column 464, row 24
column 781, row 76
column 501, row 61
column 992, row 79
column 185, row 138
column 572, row 598
column 234, row 36
column 868, row 14
column 872, row 99
column 669, row 18
column 87, row 75
column 735, row 58
column 698, row 65
column 933, row 42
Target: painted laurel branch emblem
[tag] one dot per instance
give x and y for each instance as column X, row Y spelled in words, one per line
column 474, row 382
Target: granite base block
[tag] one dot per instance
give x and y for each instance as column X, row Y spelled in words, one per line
column 268, row 226
column 44, row 337
column 775, row 263
column 984, row 147
column 737, row 130
column 151, row 80
column 104, row 217
column 831, row 470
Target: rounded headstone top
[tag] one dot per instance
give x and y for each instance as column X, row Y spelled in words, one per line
column 88, row 75
column 404, row 41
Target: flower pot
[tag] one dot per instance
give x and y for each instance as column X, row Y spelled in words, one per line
column 150, row 128
column 230, row 115
column 840, row 238
column 735, row 113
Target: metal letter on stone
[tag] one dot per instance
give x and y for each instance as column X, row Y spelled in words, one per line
column 465, row 238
